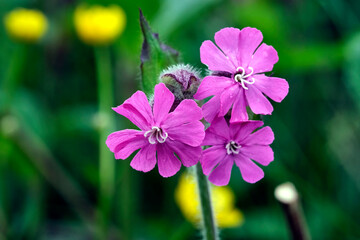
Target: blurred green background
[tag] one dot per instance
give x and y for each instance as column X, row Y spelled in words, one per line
column 49, row 146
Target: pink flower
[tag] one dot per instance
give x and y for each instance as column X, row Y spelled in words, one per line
column 236, row 143
column 162, row 133
column 238, row 80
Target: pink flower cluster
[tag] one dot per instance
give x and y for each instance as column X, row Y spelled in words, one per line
column 171, row 138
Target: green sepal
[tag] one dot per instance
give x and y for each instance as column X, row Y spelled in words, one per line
column 155, row 56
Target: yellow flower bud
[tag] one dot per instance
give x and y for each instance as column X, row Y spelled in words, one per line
column 25, row 24
column 223, row 199
column 98, row 25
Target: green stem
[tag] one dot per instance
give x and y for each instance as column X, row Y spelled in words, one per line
column 208, row 222
column 12, row 78
column 107, row 168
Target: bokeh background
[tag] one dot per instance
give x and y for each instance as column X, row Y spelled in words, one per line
column 49, row 140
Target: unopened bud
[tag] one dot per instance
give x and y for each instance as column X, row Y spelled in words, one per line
column 182, row 80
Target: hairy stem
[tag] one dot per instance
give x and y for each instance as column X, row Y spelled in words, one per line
column 208, row 222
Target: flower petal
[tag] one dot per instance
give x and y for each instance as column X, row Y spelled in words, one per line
column 187, row 111
column 211, row 157
column 213, row 139
column 249, row 40
column 137, row 110
column 250, row 172
column 215, row 60
column 163, row 100
column 227, row 99
column 273, row 87
column 115, row 138
column 212, row 85
column 242, row 130
column 211, row 108
column 145, row 159
column 259, row 153
column 190, row 133
column 220, row 176
column 239, row 112
column 219, row 127
column 188, row 155
column 168, row 164
column 264, row 136
column 126, row 148
column 227, row 39
column 258, row 103
column 264, row 59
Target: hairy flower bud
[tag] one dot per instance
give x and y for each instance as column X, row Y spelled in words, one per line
column 182, row 80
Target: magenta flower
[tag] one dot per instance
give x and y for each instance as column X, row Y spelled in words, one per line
column 236, row 143
column 238, row 80
column 162, row 133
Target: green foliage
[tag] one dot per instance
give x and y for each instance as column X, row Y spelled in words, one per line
column 52, row 125
column 155, row 57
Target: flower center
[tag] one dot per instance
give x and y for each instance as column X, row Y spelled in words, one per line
column 232, row 148
column 242, row 78
column 156, row 135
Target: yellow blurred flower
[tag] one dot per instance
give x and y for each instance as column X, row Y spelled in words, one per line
column 98, row 25
column 25, row 24
column 223, row 199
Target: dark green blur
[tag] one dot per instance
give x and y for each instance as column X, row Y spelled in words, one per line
column 49, row 164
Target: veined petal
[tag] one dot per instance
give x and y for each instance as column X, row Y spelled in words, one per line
column 168, row 164
column 239, row 112
column 190, row 133
column 264, row 59
column 249, row 40
column 273, row 87
column 188, row 155
column 126, row 148
column 211, row 157
column 258, row 103
column 145, row 159
column 187, row 111
column 213, row 139
column 227, row 39
column 163, row 100
column 259, row 153
column 211, row 108
column 264, row 136
column 220, row 176
column 212, row 85
column 242, row 130
column 115, row 138
column 250, row 172
column 215, row 60
column 219, row 127
column 137, row 110
column 227, row 98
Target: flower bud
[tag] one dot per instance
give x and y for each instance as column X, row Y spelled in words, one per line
column 182, row 80
column 26, row 25
column 98, row 25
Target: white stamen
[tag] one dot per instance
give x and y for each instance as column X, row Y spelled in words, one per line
column 232, row 147
column 162, row 138
column 156, row 133
column 242, row 77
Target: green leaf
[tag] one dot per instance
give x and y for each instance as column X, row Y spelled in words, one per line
column 352, row 68
column 155, row 56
